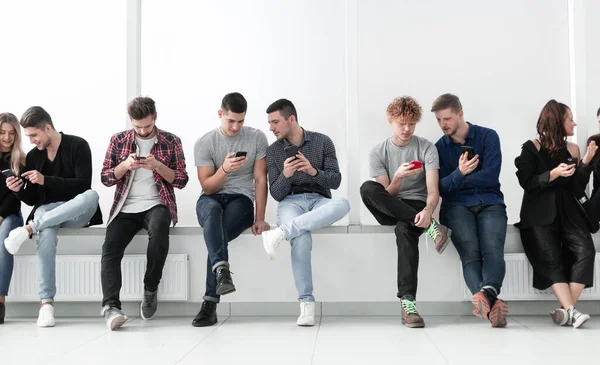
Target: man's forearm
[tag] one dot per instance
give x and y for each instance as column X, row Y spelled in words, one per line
column 166, row 172
column 261, row 200
column 215, row 183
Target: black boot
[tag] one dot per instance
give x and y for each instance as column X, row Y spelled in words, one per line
column 2, row 312
column 224, row 281
column 207, row 315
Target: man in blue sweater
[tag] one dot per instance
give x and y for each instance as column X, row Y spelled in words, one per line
column 473, row 205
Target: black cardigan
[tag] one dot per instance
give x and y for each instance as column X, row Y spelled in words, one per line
column 9, row 203
column 72, row 175
column 539, row 207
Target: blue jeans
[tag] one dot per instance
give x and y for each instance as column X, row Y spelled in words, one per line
column 7, row 260
column 47, row 219
column 478, row 233
column 224, row 217
column 298, row 215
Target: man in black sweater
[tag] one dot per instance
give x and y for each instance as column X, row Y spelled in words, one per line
column 57, row 183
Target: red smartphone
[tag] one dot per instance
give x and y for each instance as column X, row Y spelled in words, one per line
column 416, row 164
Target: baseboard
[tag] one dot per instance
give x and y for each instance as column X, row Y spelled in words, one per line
column 190, row 309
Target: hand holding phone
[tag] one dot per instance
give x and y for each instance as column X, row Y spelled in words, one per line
column 241, row 154
column 137, row 158
column 416, row 164
column 572, row 160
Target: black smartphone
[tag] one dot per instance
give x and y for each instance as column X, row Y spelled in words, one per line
column 469, row 150
column 240, row 154
column 9, row 173
column 140, row 158
column 572, row 160
column 290, row 151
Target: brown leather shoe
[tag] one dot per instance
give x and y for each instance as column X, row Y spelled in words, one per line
column 410, row 316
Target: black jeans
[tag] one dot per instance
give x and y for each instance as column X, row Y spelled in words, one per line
column 389, row 211
column 119, row 234
column 224, row 217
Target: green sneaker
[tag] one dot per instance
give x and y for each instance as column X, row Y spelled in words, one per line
column 410, row 316
column 440, row 235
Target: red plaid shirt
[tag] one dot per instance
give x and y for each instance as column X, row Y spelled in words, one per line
column 167, row 150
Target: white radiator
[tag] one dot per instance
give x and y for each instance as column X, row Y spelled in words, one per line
column 518, row 282
column 78, row 278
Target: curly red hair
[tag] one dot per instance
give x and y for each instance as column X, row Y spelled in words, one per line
column 405, row 108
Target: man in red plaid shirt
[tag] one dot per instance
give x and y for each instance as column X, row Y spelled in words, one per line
column 145, row 163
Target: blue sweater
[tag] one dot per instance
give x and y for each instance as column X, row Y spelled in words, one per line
column 482, row 186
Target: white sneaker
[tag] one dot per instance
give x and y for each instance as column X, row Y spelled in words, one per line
column 15, row 239
column 46, row 316
column 577, row 319
column 272, row 239
column 307, row 314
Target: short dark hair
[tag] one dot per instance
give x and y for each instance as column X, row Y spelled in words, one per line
column 36, row 117
column 141, row 107
column 446, row 101
column 234, row 102
column 283, row 106
column 598, row 113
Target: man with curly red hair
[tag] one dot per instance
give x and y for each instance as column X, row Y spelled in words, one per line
column 405, row 194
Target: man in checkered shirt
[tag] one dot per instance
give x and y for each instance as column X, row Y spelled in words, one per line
column 302, row 168
column 145, row 163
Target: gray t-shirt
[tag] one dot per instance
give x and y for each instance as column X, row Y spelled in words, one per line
column 386, row 157
column 212, row 148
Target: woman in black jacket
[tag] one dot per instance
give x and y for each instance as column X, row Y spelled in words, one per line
column 554, row 232
column 12, row 158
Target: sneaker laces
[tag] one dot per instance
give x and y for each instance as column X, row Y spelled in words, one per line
column 432, row 231
column 149, row 297
column 410, row 307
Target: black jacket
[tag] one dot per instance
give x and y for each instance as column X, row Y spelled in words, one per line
column 71, row 175
column 9, row 203
column 539, row 206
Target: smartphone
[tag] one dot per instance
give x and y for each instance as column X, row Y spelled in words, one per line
column 416, row 164
column 469, row 150
column 291, row 151
column 240, row 154
column 9, row 173
column 140, row 158
column 570, row 161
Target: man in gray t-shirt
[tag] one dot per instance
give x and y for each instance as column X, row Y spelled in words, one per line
column 405, row 194
column 232, row 170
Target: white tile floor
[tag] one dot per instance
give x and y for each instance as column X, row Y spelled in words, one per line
column 277, row 340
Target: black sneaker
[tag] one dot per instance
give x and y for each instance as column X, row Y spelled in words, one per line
column 2, row 312
column 149, row 304
column 224, row 281
column 207, row 315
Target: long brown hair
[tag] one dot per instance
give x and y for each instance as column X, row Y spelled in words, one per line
column 551, row 127
column 17, row 156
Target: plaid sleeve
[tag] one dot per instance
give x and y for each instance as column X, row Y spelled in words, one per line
column 178, row 165
column 107, row 176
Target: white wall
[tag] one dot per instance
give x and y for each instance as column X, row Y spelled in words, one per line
column 67, row 56
column 500, row 59
column 264, row 49
column 339, row 61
